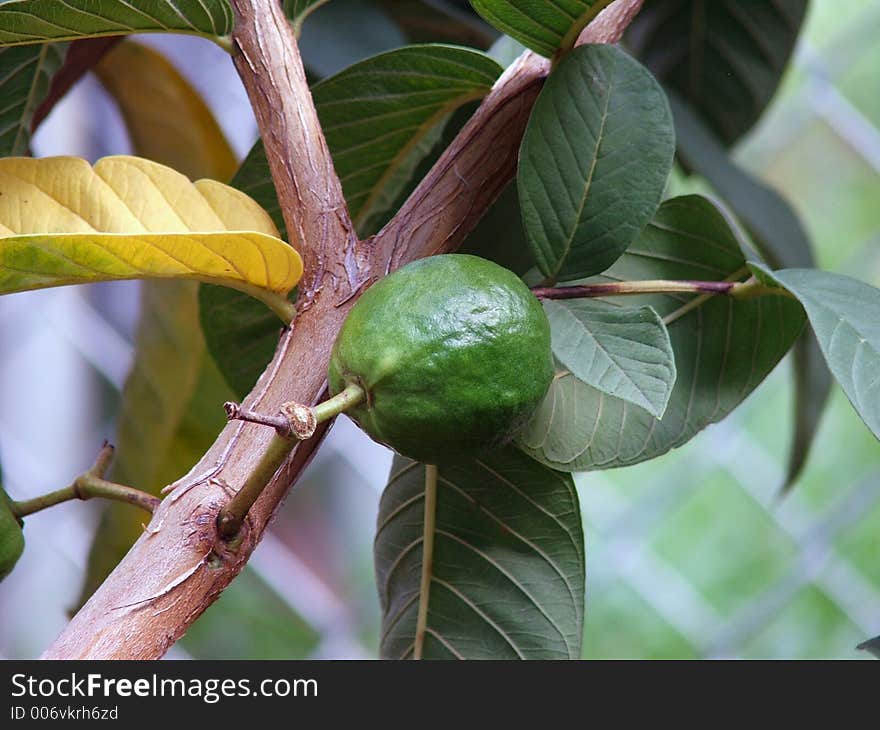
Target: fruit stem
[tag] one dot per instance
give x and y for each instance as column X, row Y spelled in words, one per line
column 89, row 485
column 296, row 419
column 294, row 422
column 352, row 395
column 427, row 558
column 232, row 516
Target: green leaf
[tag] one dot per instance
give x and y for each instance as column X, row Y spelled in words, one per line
column 25, row 75
column 377, row 112
column 812, row 388
column 380, row 117
column 780, row 236
column 241, row 335
column 845, row 315
column 621, row 351
column 594, row 161
column 723, row 347
column 765, row 214
column 507, row 576
column 725, row 57
column 545, row 27
column 35, row 21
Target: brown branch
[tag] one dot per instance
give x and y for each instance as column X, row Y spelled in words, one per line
column 635, row 288
column 180, row 566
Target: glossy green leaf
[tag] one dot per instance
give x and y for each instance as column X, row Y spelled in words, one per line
column 622, row 351
column 763, row 212
column 545, row 27
column 380, row 117
column 507, row 576
column 25, row 75
column 845, row 315
column 780, row 236
column 594, row 161
column 723, row 348
column 725, row 57
column 241, row 337
column 376, row 113
column 35, row 21
column 812, row 388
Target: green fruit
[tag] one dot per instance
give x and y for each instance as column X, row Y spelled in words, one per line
column 453, row 352
column 11, row 536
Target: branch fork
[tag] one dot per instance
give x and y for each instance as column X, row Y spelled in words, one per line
column 436, row 218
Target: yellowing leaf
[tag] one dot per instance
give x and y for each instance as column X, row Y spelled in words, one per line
column 65, row 222
column 145, row 85
column 168, row 416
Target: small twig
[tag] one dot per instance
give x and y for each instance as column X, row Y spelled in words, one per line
column 632, row 288
column 234, row 412
column 295, row 422
column 738, row 289
column 232, row 516
column 90, row 485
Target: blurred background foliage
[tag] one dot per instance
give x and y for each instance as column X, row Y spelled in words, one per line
column 690, row 555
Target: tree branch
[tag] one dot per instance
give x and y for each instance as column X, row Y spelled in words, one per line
column 180, row 565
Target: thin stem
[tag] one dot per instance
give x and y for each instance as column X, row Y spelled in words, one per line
column 352, row 395
column 738, row 289
column 294, row 423
column 89, row 485
column 632, row 288
column 29, row 506
column 231, row 517
column 234, row 412
column 296, row 419
column 427, row 558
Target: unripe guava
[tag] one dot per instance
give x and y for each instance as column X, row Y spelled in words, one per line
column 11, row 536
column 453, row 352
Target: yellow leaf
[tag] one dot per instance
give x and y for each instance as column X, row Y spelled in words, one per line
column 63, row 221
column 169, row 416
column 145, row 85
